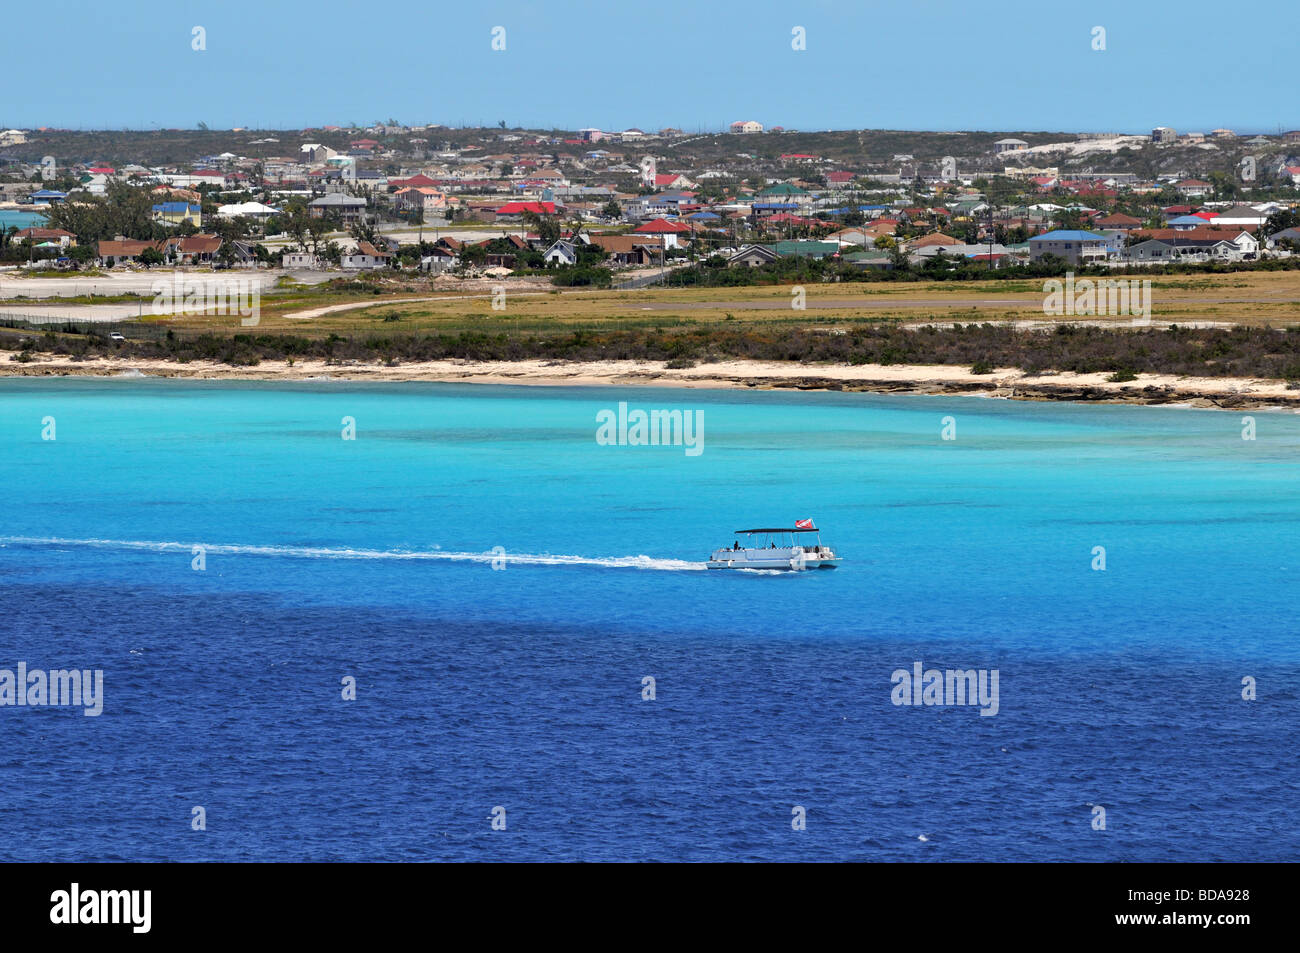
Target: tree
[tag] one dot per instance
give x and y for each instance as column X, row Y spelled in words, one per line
column 1281, row 220
column 150, row 257
column 547, row 229
column 612, row 210
column 364, row 231
column 297, row 223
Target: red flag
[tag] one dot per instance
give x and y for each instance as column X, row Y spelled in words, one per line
column 804, row 524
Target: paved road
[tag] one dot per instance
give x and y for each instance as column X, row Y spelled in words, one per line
column 137, row 282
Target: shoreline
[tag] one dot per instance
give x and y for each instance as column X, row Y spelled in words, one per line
column 1007, row 383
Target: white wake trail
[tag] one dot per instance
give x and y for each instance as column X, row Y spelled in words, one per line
column 312, row 552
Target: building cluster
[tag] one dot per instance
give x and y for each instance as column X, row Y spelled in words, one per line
column 643, row 201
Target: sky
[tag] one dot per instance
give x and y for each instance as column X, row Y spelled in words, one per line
column 902, row 64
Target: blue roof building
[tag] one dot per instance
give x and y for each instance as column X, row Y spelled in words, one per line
column 1074, row 245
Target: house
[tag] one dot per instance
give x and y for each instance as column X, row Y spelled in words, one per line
column 1240, row 215
column 672, row 233
column 253, row 210
column 417, row 181
column 1285, row 239
column 1194, row 188
column 561, row 252
column 631, row 249
column 440, row 259
column 372, row 180
column 336, row 205
column 192, row 249
column 177, row 213
column 785, row 192
column 1156, row 250
column 514, row 211
column 314, row 152
column 869, row 259
column 927, row 241
column 985, row 253
column 1075, row 246
column 1163, row 134
column 852, row 236
column 1204, row 242
column 300, row 260
column 110, row 253
column 751, row 256
column 429, row 202
column 805, row 249
column 1188, row 222
column 746, row 127
column 40, row 235
column 1118, row 220
column 47, row 197
column 672, row 180
column 366, row 257
column 1010, row 145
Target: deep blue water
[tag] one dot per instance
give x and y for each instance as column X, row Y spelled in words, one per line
column 521, row 687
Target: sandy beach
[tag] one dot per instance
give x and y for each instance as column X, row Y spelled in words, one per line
column 1008, row 383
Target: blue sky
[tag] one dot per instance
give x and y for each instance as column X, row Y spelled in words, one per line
column 916, row 64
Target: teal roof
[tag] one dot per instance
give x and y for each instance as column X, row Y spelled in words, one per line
column 1068, row 235
column 804, row 249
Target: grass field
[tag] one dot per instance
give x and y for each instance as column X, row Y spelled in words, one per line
column 1267, row 298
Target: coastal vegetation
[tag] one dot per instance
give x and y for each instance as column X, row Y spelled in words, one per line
column 1203, row 352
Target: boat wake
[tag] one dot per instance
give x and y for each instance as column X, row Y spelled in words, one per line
column 498, row 557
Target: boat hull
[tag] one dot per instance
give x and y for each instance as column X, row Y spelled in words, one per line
column 782, row 560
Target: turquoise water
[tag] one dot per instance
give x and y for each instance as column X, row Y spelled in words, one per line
column 521, row 685
column 20, row 219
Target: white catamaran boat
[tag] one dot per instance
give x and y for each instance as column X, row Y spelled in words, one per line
column 778, row 548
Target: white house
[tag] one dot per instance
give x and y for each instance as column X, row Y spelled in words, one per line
column 439, row 260
column 301, row 260
column 561, row 253
column 1240, row 215
column 366, row 257
column 254, row 210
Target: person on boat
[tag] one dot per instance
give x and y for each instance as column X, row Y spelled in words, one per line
column 737, row 545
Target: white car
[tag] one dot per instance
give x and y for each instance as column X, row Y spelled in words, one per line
column 116, row 336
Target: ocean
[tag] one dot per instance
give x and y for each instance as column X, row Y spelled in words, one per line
column 496, row 588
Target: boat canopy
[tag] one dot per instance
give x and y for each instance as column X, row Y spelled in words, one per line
column 780, row 529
